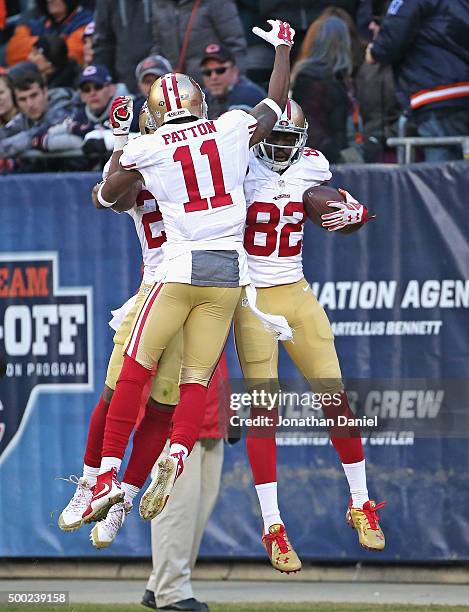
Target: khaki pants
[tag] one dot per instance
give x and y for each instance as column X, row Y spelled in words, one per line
column 204, row 313
column 165, row 385
column 177, row 532
column 312, row 349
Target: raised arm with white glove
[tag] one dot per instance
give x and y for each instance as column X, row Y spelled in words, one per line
column 269, row 111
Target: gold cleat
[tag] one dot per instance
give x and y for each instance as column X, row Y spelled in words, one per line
column 366, row 521
column 280, row 551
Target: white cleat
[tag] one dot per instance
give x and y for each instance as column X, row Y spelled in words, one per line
column 71, row 517
column 104, row 532
column 106, row 492
column 156, row 496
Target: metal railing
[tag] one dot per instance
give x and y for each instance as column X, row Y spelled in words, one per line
column 406, row 144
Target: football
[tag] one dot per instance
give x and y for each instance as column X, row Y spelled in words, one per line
column 315, row 202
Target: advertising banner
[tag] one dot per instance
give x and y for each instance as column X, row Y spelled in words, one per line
column 397, row 295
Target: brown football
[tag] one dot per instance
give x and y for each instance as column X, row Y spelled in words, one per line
column 315, row 202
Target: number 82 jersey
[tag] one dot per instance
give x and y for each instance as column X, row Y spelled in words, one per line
column 273, row 236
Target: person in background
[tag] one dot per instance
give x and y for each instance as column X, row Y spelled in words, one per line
column 224, row 87
column 321, row 85
column 425, row 41
column 88, row 127
column 177, row 532
column 258, row 57
column 379, row 108
column 8, row 108
column 149, row 70
column 301, row 13
column 183, row 28
column 146, row 73
column 40, row 108
column 66, row 18
column 123, row 37
column 88, row 53
column 358, row 45
column 50, row 55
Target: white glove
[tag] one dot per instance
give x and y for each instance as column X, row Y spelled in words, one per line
column 347, row 213
column 121, row 115
column 281, row 33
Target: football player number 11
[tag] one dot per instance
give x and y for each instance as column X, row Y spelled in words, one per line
column 184, row 157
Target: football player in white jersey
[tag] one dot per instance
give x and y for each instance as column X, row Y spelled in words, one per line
column 196, row 169
column 280, row 171
column 153, row 430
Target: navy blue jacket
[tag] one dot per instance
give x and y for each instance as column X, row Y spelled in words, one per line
column 427, row 43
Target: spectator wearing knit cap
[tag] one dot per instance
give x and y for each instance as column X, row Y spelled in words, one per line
column 146, row 73
column 150, row 69
column 50, row 55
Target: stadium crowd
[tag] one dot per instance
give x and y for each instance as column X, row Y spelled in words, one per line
column 360, row 68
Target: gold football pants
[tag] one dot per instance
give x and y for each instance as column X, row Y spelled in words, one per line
column 204, row 314
column 312, row 348
column 165, row 384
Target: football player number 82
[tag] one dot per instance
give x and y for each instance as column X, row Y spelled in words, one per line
column 221, row 198
column 269, row 228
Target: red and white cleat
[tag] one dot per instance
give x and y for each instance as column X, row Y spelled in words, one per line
column 280, row 551
column 156, row 496
column 366, row 521
column 106, row 492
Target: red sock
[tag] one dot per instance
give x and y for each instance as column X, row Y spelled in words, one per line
column 346, row 440
column 94, row 442
column 261, row 447
column 149, row 440
column 124, row 407
column 189, row 415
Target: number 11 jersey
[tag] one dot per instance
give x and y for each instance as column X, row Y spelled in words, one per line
column 196, row 172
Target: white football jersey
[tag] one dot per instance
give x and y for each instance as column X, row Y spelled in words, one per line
column 196, row 172
column 275, row 220
column 148, row 222
column 149, row 226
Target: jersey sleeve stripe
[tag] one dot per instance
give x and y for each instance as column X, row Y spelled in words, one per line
column 128, row 166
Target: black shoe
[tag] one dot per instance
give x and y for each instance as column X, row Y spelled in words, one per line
column 189, row 605
column 148, row 599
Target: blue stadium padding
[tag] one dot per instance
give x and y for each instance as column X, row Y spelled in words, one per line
column 90, row 263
